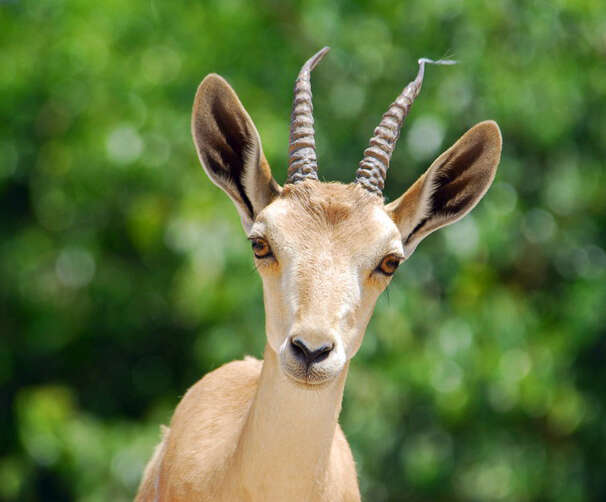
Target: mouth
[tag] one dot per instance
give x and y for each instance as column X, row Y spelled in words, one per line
column 308, row 379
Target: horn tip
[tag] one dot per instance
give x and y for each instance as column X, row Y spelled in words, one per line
column 422, row 61
column 317, row 57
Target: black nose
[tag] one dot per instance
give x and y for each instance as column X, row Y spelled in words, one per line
column 307, row 355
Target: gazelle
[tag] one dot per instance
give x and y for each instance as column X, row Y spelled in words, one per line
column 268, row 430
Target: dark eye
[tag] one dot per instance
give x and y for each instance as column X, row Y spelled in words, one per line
column 389, row 264
column 261, row 248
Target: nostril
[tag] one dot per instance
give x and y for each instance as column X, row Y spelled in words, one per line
column 302, row 351
column 320, row 354
column 299, row 348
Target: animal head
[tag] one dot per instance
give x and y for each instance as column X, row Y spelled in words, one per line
column 326, row 251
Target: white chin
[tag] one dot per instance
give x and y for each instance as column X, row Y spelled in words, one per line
column 317, row 374
column 309, row 378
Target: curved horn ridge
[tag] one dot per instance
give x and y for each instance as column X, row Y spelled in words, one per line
column 373, row 167
column 302, row 161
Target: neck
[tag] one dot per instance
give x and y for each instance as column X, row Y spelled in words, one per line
column 285, row 445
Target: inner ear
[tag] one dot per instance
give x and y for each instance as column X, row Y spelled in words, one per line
column 451, row 187
column 229, row 148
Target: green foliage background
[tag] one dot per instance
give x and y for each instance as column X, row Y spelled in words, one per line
column 125, row 276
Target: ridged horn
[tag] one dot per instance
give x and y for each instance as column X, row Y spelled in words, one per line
column 302, row 161
column 373, row 167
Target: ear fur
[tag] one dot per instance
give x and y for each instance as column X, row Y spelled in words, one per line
column 451, row 187
column 230, row 150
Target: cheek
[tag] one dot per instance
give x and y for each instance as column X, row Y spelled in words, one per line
column 277, row 314
column 353, row 336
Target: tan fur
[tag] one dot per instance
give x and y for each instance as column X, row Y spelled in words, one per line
column 330, row 203
column 198, row 459
column 263, row 431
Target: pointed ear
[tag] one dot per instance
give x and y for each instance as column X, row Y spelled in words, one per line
column 230, row 150
column 451, row 187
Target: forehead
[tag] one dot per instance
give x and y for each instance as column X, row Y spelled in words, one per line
column 313, row 209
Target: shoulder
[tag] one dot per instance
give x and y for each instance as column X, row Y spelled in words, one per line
column 207, row 422
column 230, row 386
column 232, row 374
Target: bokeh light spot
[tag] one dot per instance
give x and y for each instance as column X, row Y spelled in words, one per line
column 425, row 137
column 75, row 267
column 124, row 144
column 462, row 237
